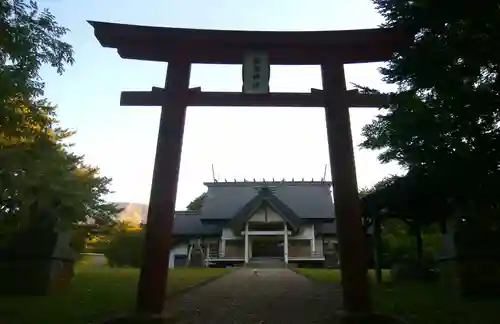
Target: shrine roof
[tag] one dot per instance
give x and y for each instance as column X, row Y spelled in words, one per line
column 264, row 197
column 188, row 223
column 309, row 200
column 228, row 46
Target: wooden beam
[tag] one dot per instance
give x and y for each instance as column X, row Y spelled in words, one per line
column 141, row 98
column 355, row 99
column 228, row 47
column 353, row 254
column 116, row 35
column 238, row 99
column 151, row 292
column 206, row 53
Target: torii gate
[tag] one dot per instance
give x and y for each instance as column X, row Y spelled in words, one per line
column 183, row 47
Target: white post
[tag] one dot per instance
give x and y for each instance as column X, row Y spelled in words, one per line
column 250, row 248
column 285, row 247
column 313, row 242
column 190, row 249
column 246, row 243
column 204, row 256
column 222, row 250
column 208, row 255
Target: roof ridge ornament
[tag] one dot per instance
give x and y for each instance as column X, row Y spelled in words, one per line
column 265, row 189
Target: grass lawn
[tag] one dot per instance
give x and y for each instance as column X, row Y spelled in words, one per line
column 96, row 292
column 427, row 303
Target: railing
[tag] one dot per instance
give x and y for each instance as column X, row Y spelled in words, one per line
column 311, row 255
column 215, row 255
column 317, row 254
column 221, row 255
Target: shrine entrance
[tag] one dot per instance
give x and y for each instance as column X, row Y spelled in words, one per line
column 267, row 247
column 257, row 51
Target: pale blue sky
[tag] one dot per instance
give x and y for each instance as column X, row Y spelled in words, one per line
column 240, row 142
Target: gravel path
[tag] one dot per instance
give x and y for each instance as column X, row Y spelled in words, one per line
column 272, row 296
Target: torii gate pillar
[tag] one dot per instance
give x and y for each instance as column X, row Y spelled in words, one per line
column 352, row 248
column 153, row 278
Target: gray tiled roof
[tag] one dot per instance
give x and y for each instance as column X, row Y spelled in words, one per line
column 309, row 200
column 189, row 223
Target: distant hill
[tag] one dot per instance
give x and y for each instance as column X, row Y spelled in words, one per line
column 133, row 212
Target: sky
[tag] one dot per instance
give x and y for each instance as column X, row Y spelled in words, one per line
column 240, row 142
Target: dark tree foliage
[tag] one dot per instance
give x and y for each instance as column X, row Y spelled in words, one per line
column 197, row 203
column 414, row 199
column 443, row 122
column 30, row 38
column 42, row 183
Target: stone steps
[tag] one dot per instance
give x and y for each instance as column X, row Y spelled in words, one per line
column 266, row 263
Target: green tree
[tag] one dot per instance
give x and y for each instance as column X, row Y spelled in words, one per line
column 30, row 38
column 443, row 121
column 125, row 249
column 413, row 198
column 197, row 203
column 41, row 182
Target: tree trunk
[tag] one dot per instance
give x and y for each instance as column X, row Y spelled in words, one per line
column 377, row 231
column 420, row 248
column 443, row 227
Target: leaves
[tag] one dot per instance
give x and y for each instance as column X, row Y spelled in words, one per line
column 197, row 203
column 443, row 122
column 31, row 39
column 41, row 182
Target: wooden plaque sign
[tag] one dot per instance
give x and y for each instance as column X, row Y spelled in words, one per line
column 256, row 73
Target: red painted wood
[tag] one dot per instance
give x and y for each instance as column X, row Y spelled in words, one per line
column 229, row 47
column 154, row 272
column 352, row 248
column 237, row 99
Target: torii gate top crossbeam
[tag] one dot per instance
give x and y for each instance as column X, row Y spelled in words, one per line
column 229, row 47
